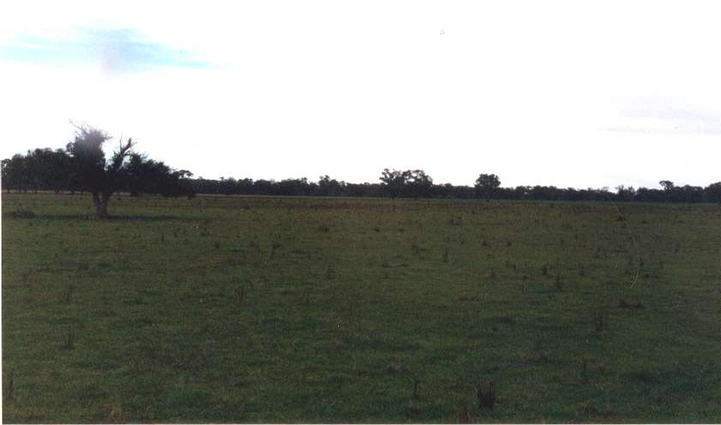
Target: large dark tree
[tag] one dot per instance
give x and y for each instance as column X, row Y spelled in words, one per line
column 409, row 183
column 92, row 171
column 125, row 170
column 394, row 181
column 418, row 184
column 486, row 185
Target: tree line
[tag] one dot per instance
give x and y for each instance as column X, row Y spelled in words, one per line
column 83, row 167
column 417, row 184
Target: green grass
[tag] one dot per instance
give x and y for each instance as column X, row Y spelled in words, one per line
column 359, row 310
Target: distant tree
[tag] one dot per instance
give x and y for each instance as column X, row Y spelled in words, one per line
column 143, row 175
column 713, row 192
column 364, row 189
column 16, row 173
column 408, row 183
column 689, row 194
column 418, row 184
column 486, row 185
column 330, row 187
column 295, row 187
column 667, row 185
column 394, row 181
column 50, row 168
column 228, row 186
column 649, row 195
column 5, row 172
column 668, row 189
column 263, row 187
column 624, row 193
column 244, row 186
column 549, row 193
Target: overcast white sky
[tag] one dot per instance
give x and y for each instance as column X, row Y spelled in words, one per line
column 539, row 92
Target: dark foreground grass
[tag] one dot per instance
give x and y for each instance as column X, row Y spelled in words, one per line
column 343, row 310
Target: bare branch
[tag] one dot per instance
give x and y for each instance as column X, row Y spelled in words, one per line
column 120, row 155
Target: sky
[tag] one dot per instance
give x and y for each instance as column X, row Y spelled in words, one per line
column 564, row 93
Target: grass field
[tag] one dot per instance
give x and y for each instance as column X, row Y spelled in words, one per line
column 235, row 309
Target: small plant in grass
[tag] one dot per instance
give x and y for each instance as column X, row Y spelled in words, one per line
column 416, row 385
column 68, row 293
column 544, row 270
column 462, row 416
column 273, row 248
column 486, row 398
column 630, row 263
column 590, row 409
column 113, row 412
column 10, row 388
column 239, row 293
column 622, row 303
column 416, row 249
column 539, row 354
column 456, row 221
column 23, row 214
column 139, row 293
column 558, row 281
column 445, row 254
column 306, row 297
column 69, row 340
column 600, row 322
column 397, row 367
column 330, row 271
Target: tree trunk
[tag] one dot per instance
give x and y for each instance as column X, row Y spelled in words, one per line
column 101, row 204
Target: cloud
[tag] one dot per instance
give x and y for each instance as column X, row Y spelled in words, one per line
column 665, row 116
column 115, row 50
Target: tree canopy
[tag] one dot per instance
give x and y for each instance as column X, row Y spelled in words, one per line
column 486, row 185
column 408, row 183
